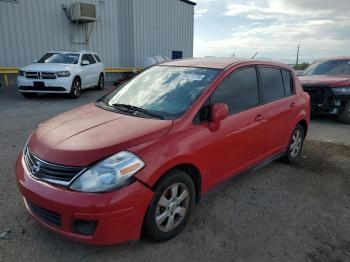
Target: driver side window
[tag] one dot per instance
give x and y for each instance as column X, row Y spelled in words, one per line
column 239, row 90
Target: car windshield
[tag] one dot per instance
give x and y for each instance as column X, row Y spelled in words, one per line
column 60, row 58
column 164, row 91
column 335, row 67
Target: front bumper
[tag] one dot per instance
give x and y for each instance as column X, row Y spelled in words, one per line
column 57, row 85
column 324, row 101
column 118, row 214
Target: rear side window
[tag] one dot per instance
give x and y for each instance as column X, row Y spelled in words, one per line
column 288, row 83
column 272, row 84
column 97, row 58
column 240, row 90
column 89, row 57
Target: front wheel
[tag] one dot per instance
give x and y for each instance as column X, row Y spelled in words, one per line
column 75, row 89
column 171, row 206
column 101, row 83
column 344, row 115
column 295, row 145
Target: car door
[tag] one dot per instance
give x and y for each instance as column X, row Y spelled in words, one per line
column 279, row 99
column 240, row 141
column 99, row 67
column 88, row 71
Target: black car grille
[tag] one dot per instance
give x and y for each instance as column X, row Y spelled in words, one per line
column 52, row 173
column 318, row 94
column 40, row 75
column 44, row 214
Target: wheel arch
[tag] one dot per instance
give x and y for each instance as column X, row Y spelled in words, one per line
column 77, row 77
column 304, row 124
column 194, row 173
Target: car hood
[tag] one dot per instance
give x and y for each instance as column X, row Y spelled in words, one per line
column 51, row 67
column 330, row 80
column 87, row 134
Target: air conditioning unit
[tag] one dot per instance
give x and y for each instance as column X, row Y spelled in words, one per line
column 82, row 13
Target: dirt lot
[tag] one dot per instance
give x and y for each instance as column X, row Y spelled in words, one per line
column 279, row 213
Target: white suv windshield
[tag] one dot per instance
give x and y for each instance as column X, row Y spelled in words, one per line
column 60, row 58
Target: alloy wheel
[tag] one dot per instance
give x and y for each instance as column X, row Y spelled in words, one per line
column 296, row 143
column 76, row 88
column 172, row 207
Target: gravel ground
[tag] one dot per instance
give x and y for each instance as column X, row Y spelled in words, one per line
column 279, row 213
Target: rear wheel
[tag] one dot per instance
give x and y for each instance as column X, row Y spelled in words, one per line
column 101, row 83
column 29, row 95
column 171, row 206
column 344, row 115
column 295, row 145
column 76, row 88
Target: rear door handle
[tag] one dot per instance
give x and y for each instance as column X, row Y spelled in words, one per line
column 259, row 118
column 293, row 105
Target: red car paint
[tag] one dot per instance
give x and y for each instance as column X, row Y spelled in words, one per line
column 330, row 80
column 88, row 134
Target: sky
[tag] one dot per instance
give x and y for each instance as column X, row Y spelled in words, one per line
column 274, row 28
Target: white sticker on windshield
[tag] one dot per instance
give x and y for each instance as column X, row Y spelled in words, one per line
column 193, row 77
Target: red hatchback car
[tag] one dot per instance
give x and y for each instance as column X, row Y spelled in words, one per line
column 140, row 157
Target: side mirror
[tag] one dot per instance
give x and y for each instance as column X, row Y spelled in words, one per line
column 35, row 60
column 218, row 113
column 85, row 62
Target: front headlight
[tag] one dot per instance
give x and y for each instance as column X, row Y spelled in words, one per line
column 109, row 173
column 21, row 73
column 63, row 74
column 341, row 90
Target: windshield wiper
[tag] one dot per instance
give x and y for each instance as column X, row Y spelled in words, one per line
column 137, row 109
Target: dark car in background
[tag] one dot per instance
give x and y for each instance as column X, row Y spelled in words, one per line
column 328, row 83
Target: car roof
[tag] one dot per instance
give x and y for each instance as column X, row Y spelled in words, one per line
column 216, row 62
column 334, row 58
column 72, row 52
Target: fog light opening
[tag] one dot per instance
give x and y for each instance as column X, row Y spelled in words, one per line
column 84, row 227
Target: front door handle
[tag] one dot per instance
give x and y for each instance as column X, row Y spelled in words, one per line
column 259, row 118
column 293, row 105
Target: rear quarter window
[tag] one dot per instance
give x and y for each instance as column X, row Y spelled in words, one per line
column 288, row 83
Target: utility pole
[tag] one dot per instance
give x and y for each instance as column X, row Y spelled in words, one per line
column 297, row 62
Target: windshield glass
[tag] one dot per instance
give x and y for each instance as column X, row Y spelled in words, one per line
column 60, row 58
column 163, row 90
column 335, row 67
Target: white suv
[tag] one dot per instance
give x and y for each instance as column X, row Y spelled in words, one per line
column 62, row 72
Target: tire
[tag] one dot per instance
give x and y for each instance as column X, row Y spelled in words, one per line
column 75, row 90
column 29, row 95
column 173, row 212
column 295, row 145
column 344, row 115
column 101, row 83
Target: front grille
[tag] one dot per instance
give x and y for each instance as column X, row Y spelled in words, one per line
column 40, row 75
column 44, row 214
column 32, row 75
column 318, row 94
column 52, row 173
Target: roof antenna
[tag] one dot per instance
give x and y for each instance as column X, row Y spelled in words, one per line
column 254, row 55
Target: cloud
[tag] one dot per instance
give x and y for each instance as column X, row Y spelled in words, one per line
column 276, row 27
column 199, row 13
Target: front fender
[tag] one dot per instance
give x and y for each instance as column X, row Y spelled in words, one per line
column 150, row 176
